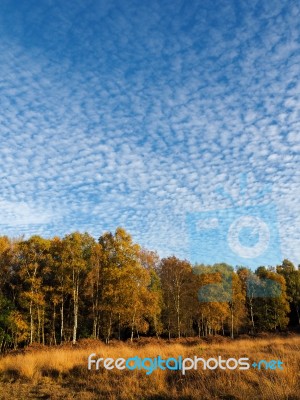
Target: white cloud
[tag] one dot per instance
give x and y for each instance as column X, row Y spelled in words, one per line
column 143, row 131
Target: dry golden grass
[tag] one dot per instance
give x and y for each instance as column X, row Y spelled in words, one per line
column 61, row 372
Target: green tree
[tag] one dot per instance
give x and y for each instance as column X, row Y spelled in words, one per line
column 271, row 300
column 178, row 282
column 76, row 257
column 124, row 284
column 33, row 258
column 214, row 294
column 150, row 261
column 292, row 278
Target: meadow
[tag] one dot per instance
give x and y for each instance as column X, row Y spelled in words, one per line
column 61, row 372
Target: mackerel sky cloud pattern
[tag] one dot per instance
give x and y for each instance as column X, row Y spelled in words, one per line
column 135, row 113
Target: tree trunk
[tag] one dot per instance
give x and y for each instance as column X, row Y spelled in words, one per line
column 31, row 322
column 109, row 329
column 298, row 313
column 43, row 326
column 53, row 324
column 119, row 326
column 132, row 325
column 231, row 323
column 62, row 320
column 39, row 325
column 252, row 316
column 178, row 315
column 75, row 298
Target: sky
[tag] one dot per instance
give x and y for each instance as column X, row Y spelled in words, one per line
column 177, row 120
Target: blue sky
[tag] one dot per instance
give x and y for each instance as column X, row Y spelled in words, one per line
column 153, row 116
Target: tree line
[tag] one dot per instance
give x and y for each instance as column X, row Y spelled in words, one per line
column 61, row 289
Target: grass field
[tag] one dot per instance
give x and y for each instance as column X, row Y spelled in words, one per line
column 61, row 372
